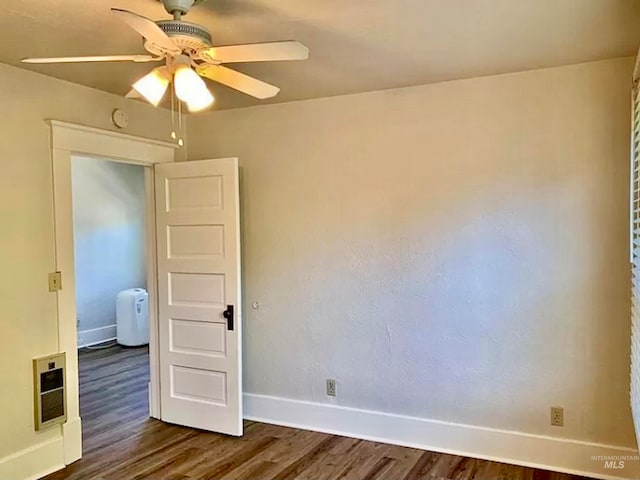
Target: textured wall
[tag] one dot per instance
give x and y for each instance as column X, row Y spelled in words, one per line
column 455, row 251
column 109, row 236
column 28, row 322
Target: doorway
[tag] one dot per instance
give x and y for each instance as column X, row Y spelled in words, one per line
column 112, row 301
column 69, row 140
column 193, row 273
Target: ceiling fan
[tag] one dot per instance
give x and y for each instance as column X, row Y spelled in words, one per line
column 188, row 54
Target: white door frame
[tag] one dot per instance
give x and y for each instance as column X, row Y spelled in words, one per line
column 66, row 140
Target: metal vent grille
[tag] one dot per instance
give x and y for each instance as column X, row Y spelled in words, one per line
column 179, row 28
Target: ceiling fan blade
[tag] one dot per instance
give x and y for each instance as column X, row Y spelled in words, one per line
column 256, row 52
column 239, row 81
column 148, row 29
column 95, row 58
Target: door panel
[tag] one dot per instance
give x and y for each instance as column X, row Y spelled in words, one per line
column 198, row 277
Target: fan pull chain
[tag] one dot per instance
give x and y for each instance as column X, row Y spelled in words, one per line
column 180, row 130
column 173, row 113
column 176, row 134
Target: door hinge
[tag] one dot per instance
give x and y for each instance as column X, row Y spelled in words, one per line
column 55, row 281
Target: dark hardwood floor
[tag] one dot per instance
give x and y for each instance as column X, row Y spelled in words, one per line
column 122, row 443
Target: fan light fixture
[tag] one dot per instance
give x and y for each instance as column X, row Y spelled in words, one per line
column 191, row 89
column 188, row 54
column 153, row 86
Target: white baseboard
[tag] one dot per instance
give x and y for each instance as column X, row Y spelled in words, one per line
column 549, row 453
column 72, row 434
column 94, row 336
column 33, row 462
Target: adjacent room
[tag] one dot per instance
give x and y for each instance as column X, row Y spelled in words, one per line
column 260, row 239
column 109, row 234
column 112, row 313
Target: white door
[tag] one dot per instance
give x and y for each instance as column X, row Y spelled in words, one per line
column 198, row 235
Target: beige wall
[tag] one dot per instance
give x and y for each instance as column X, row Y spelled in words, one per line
column 455, row 251
column 28, row 323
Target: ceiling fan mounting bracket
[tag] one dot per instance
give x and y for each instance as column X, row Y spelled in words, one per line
column 177, row 8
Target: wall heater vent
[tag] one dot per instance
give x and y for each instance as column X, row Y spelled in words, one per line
column 49, row 390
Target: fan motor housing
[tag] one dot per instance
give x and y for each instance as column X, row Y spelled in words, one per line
column 187, row 36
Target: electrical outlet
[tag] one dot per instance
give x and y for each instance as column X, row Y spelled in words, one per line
column 331, row 387
column 557, row 416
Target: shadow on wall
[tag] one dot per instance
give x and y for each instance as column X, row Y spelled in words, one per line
column 109, row 236
column 456, row 298
column 455, row 251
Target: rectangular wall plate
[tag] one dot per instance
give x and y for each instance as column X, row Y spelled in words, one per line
column 49, row 382
column 55, row 281
column 331, row 387
column 557, row 416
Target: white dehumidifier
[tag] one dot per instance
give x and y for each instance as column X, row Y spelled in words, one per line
column 132, row 317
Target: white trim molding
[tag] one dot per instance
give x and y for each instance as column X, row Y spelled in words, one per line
column 94, row 336
column 66, row 140
column 80, row 139
column 34, row 462
column 538, row 451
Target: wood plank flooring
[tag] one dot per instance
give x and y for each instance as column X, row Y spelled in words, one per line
column 122, row 443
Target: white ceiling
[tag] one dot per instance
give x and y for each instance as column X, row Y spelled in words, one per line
column 356, row 45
